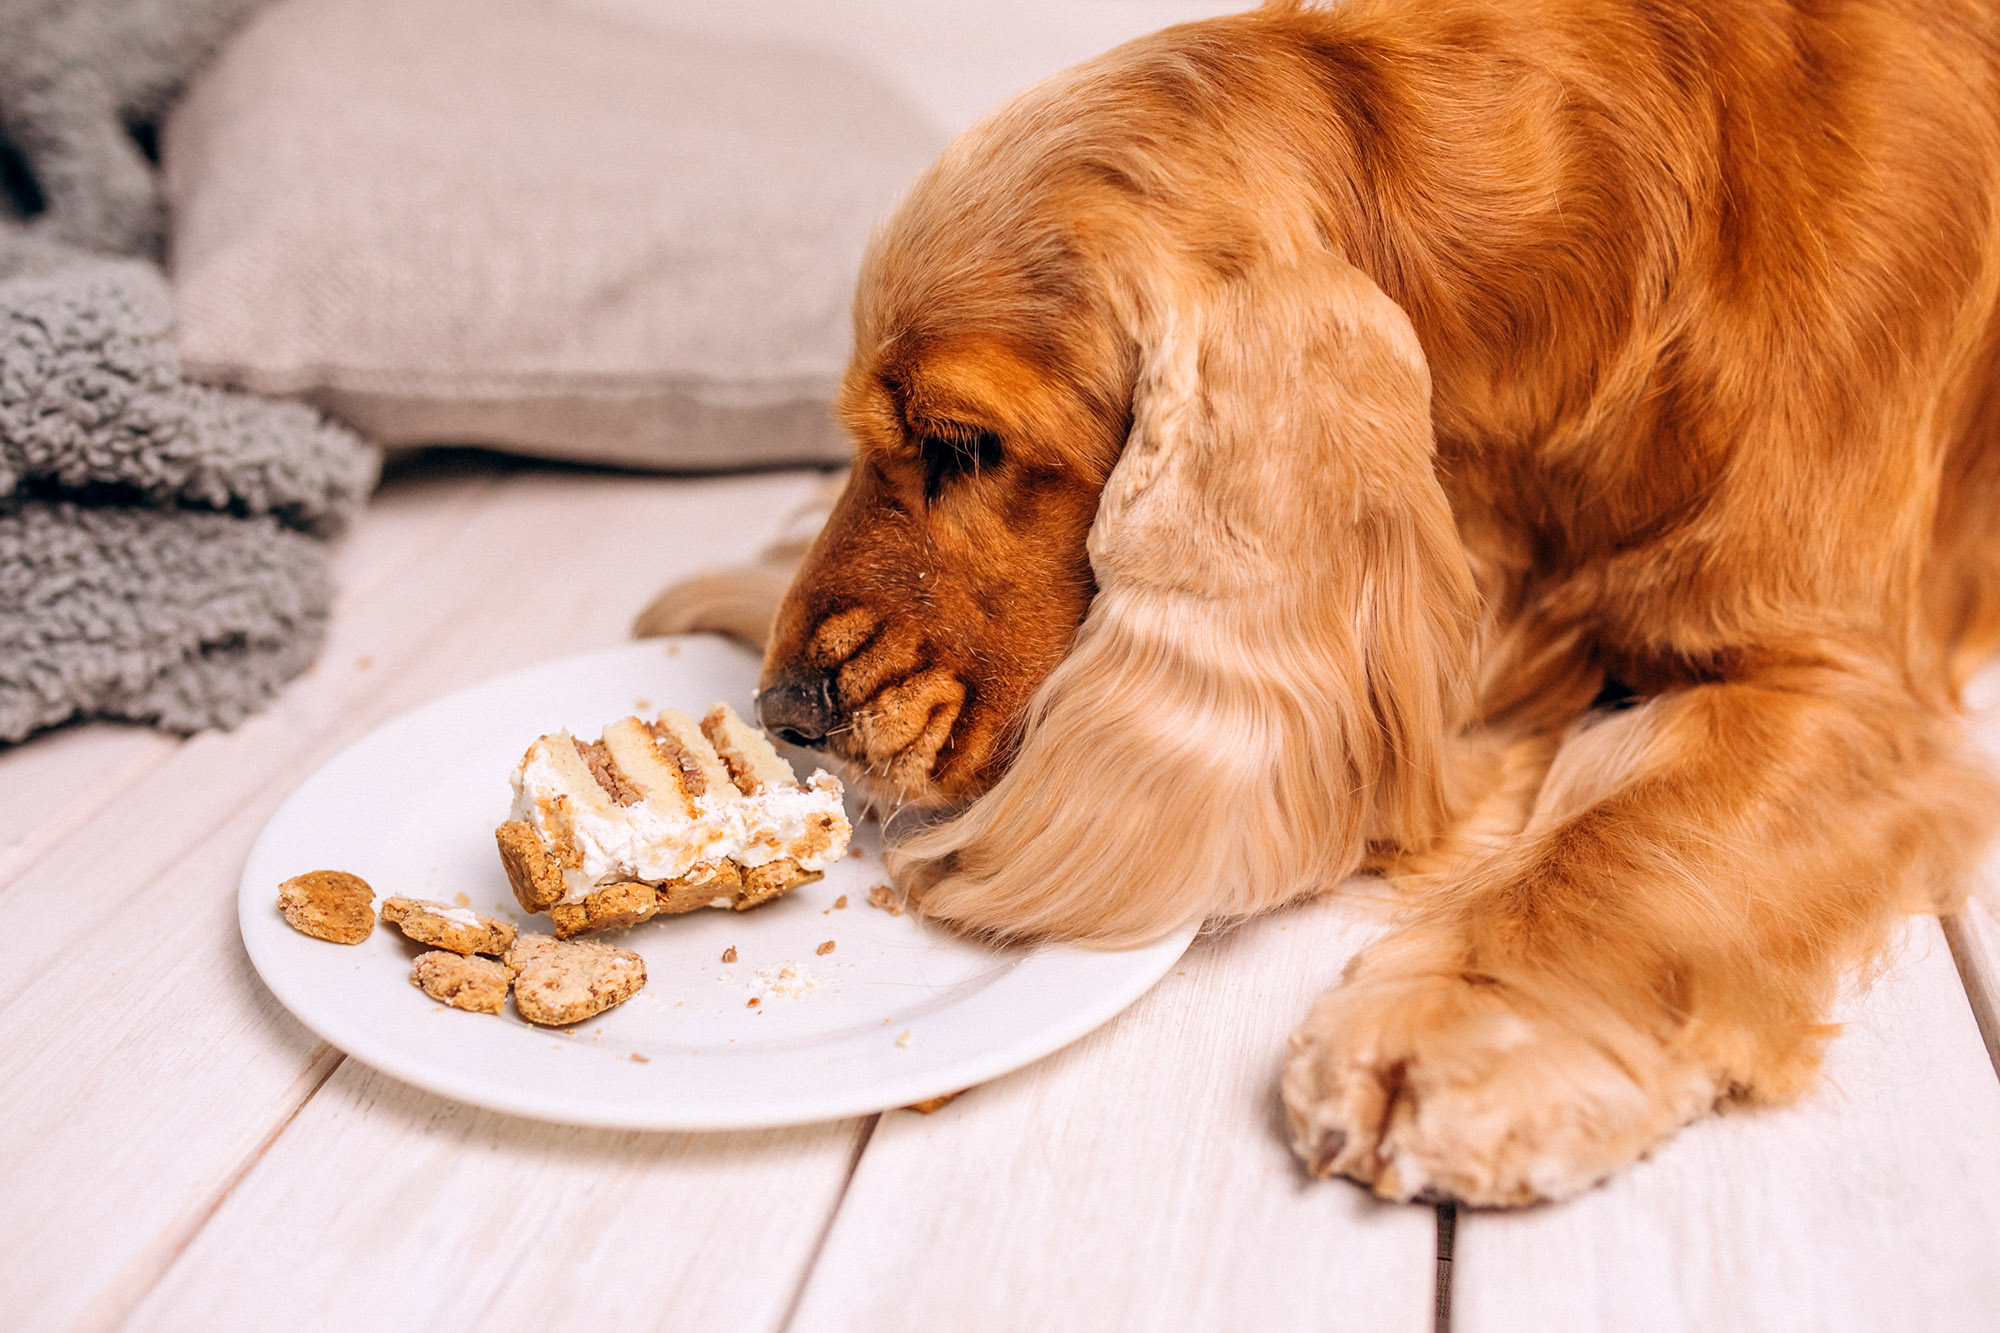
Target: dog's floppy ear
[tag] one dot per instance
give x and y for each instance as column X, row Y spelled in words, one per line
column 1278, row 650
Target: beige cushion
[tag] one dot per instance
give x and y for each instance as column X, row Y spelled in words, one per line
column 532, row 226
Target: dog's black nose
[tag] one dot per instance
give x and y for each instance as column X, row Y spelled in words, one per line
column 799, row 708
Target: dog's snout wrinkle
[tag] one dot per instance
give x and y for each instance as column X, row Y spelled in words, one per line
column 800, row 709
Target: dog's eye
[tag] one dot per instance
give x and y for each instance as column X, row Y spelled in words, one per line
column 955, row 451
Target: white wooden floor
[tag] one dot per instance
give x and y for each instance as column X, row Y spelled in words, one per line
column 179, row 1154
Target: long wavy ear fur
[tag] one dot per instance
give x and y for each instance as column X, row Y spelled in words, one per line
column 1278, row 649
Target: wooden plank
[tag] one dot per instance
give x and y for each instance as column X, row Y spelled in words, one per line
column 143, row 1073
column 146, row 1065
column 382, row 1207
column 1874, row 1204
column 54, row 782
column 1137, row 1180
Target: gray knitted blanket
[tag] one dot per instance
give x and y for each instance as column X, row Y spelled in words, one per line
column 160, row 552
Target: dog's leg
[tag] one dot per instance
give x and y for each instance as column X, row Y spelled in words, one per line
column 1667, row 932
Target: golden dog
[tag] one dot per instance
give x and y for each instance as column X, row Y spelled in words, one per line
column 1546, row 450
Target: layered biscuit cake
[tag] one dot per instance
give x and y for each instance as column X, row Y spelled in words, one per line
column 664, row 816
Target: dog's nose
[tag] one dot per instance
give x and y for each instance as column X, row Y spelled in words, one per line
column 799, row 708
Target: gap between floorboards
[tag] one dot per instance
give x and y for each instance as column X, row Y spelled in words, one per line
column 1982, row 991
column 1447, row 1236
column 861, row 1141
column 177, row 1247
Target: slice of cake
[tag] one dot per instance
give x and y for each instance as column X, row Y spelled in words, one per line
column 664, row 816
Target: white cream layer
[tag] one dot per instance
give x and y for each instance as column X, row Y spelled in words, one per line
column 643, row 842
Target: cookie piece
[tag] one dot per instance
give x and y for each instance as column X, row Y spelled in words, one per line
column 559, row 982
column 765, row 882
column 463, row 981
column 717, row 884
column 536, row 876
column 612, row 907
column 329, row 905
column 459, row 929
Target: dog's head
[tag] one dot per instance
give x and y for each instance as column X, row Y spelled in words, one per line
column 1142, row 544
column 988, row 402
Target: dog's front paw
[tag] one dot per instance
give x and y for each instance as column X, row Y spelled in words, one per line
column 1456, row 1087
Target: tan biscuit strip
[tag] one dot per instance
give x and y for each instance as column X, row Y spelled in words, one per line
column 613, row 907
column 649, row 767
column 702, row 887
column 704, row 770
column 753, row 764
column 765, row 882
column 535, row 875
column 578, row 782
column 605, row 773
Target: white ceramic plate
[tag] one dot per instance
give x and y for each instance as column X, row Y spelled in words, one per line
column 412, row 809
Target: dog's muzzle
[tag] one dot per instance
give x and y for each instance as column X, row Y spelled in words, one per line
column 800, row 708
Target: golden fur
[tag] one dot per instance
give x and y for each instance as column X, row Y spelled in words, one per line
column 1545, row 450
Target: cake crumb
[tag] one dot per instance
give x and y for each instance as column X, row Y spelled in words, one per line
column 729, row 954
column 884, row 897
column 824, row 949
column 786, row 980
column 639, row 1059
column 840, row 902
column 752, row 1002
column 904, row 1040
column 854, row 851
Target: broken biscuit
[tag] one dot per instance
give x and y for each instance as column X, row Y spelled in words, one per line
column 612, row 907
column 463, row 981
column 329, row 905
column 536, row 876
column 719, row 884
column 459, row 929
column 559, row 982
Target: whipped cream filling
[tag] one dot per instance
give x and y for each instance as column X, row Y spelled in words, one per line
column 643, row 842
column 464, row 916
